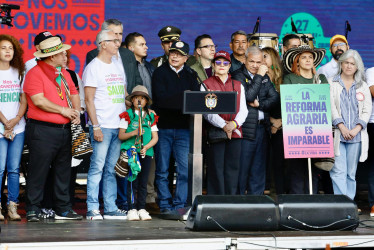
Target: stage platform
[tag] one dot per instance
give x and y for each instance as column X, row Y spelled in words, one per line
column 166, row 234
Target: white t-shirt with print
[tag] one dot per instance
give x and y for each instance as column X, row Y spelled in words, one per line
column 10, row 94
column 109, row 100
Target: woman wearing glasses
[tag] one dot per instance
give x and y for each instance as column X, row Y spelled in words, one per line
column 350, row 109
column 224, row 132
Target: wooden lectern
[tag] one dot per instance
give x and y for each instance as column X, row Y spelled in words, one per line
column 198, row 103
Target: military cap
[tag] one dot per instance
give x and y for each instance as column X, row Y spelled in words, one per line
column 169, row 34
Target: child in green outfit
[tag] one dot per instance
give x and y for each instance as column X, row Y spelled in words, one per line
column 129, row 134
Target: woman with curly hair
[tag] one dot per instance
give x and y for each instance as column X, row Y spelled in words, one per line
column 12, row 123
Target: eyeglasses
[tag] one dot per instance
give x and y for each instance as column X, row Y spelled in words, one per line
column 113, row 40
column 339, row 45
column 224, row 63
column 208, row 47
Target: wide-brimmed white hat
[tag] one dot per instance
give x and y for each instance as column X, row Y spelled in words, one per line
column 291, row 54
column 51, row 46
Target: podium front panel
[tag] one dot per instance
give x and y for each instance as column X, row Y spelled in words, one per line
column 209, row 102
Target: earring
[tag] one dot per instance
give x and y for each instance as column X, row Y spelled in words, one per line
column 272, row 67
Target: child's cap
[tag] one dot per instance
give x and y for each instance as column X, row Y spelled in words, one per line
column 139, row 90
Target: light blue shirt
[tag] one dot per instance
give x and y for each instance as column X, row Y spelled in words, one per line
column 349, row 110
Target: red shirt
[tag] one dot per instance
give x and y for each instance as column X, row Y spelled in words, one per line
column 40, row 80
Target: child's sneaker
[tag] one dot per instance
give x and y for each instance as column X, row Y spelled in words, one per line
column 115, row 215
column 132, row 215
column 144, row 215
column 94, row 215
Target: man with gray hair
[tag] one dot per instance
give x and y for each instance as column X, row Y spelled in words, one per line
column 105, row 92
column 124, row 58
column 238, row 45
column 261, row 97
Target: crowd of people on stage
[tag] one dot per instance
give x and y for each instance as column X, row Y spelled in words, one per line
column 119, row 89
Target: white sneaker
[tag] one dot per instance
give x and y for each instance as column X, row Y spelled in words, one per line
column 144, row 215
column 132, row 215
column 116, row 215
column 94, row 215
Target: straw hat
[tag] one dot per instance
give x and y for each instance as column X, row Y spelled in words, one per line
column 139, row 90
column 51, row 46
column 289, row 56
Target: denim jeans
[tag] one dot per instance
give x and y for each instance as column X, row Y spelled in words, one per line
column 10, row 156
column 176, row 141
column 121, row 201
column 252, row 173
column 344, row 171
column 103, row 159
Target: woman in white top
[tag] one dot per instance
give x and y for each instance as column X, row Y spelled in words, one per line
column 12, row 123
column 351, row 110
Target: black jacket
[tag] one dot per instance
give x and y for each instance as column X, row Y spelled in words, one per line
column 167, row 94
column 129, row 65
column 149, row 67
column 262, row 89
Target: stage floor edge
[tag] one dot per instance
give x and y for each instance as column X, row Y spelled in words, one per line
column 206, row 244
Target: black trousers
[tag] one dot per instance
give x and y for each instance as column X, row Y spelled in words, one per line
column 299, row 178
column 139, row 185
column 49, row 146
column 278, row 167
column 223, row 167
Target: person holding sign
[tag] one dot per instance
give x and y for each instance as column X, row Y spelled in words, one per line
column 224, row 155
column 351, row 107
column 301, row 63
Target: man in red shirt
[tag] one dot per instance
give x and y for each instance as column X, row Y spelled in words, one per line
column 48, row 129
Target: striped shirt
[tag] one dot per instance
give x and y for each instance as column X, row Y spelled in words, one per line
column 349, row 110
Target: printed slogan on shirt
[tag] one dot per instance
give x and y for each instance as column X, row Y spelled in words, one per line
column 115, row 87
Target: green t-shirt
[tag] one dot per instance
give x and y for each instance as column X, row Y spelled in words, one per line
column 295, row 79
column 133, row 125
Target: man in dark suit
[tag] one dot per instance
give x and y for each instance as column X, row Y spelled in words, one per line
column 261, row 98
column 125, row 58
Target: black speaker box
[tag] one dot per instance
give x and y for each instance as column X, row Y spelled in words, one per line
column 317, row 212
column 234, row 213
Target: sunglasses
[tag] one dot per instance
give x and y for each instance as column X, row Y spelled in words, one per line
column 339, row 45
column 224, row 63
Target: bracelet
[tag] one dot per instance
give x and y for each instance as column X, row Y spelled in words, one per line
column 96, row 128
column 62, row 111
column 235, row 123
